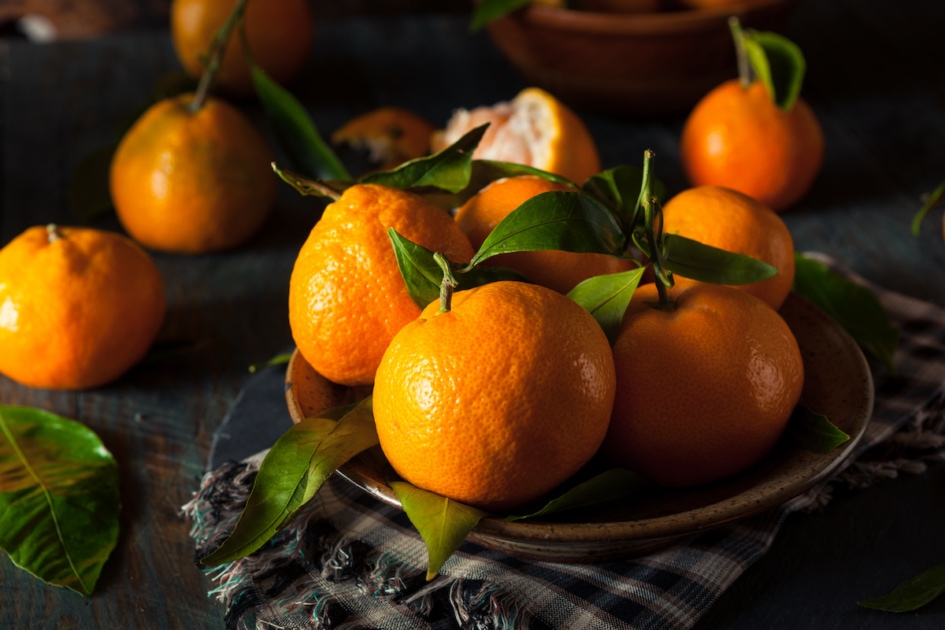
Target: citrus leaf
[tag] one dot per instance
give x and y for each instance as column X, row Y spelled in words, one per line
column 295, row 131
column 424, row 277
column 933, row 199
column 442, row 523
column 59, row 503
column 777, row 62
column 308, row 187
column 292, row 472
column 911, row 594
column 814, row 432
column 619, row 188
column 698, row 261
column 87, row 193
column 607, row 486
column 568, row 221
column 489, row 10
column 280, row 359
column 606, row 298
column 851, row 305
column 449, row 169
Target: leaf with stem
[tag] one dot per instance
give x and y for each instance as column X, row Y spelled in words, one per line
column 607, row 297
column 771, row 58
column 292, row 472
column 442, row 523
column 59, row 502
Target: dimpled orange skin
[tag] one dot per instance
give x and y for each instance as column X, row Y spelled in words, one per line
column 78, row 311
column 704, row 391
column 737, row 223
column 555, row 269
column 347, row 298
column 739, row 138
column 192, row 183
column 280, row 35
column 497, row 401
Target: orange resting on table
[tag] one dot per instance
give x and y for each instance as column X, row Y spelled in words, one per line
column 737, row 223
column 280, row 35
column 705, row 389
column 739, row 138
column 498, row 400
column 192, row 182
column 534, row 129
column 78, row 307
column 391, row 135
column 347, row 298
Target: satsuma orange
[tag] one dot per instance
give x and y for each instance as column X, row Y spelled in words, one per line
column 347, row 298
column 191, row 181
column 279, row 34
column 391, row 135
column 498, row 400
column 78, row 307
column 737, row 223
column 534, row 129
column 705, row 384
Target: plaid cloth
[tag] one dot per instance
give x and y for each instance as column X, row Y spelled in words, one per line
column 349, row 561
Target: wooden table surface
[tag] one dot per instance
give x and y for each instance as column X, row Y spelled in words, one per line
column 874, row 80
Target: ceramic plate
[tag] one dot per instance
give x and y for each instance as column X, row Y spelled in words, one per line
column 837, row 384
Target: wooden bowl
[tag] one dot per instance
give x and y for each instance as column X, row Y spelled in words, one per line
column 629, row 63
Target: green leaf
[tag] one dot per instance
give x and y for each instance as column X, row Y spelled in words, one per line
column 610, row 485
column 442, row 523
column 295, row 131
column 87, row 193
column 814, row 431
column 308, row 187
column 59, row 503
column 449, row 169
column 292, row 472
column 619, row 188
column 911, row 594
column 698, row 261
column 778, row 63
column 424, row 277
column 851, row 305
column 568, row 221
column 933, row 199
column 489, row 10
column 606, row 298
column 279, row 359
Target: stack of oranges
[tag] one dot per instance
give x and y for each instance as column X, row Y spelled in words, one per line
column 483, row 393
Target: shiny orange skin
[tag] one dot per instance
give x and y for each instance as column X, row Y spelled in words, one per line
column 347, row 298
column 78, row 307
column 497, row 401
column 555, row 269
column 280, row 35
column 703, row 391
column 737, row 223
column 192, row 183
column 740, row 139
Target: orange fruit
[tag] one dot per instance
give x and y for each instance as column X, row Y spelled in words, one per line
column 280, row 36
column 391, row 135
column 737, row 223
column 347, row 298
column 704, row 390
column 78, row 307
column 192, row 182
column 555, row 269
column 497, row 401
column 739, row 138
column 534, row 129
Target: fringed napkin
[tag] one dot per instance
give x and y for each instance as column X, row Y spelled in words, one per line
column 349, row 561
